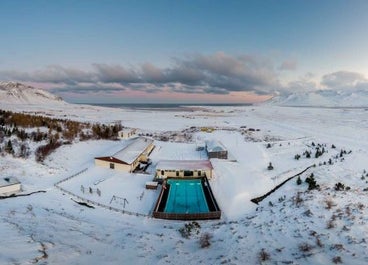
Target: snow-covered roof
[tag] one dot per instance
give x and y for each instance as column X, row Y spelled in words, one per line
column 184, row 165
column 215, row 146
column 8, row 181
column 133, row 150
column 128, row 130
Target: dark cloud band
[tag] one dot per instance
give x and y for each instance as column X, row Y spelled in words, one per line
column 217, row 73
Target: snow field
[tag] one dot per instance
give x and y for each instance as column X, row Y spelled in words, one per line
column 293, row 225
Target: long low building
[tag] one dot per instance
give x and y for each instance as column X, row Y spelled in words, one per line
column 9, row 186
column 183, row 168
column 129, row 157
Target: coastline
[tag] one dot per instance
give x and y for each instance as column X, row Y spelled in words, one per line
column 188, row 107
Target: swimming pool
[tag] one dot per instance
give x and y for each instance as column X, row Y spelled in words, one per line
column 186, row 196
column 186, row 199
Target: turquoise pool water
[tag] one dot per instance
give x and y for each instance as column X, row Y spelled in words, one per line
column 186, row 196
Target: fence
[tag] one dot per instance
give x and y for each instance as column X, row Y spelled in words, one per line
column 187, row 216
column 261, row 198
column 72, row 176
column 93, row 202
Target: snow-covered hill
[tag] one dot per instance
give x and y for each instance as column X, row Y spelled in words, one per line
column 17, row 93
column 323, row 98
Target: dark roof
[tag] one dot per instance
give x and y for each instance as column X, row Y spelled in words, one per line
column 111, row 159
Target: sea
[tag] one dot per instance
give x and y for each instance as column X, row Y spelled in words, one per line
column 166, row 106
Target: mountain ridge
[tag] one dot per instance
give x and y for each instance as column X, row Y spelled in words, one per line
column 322, row 98
column 19, row 93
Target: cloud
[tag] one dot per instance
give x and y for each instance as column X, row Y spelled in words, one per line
column 288, row 65
column 217, row 73
column 55, row 74
column 344, row 80
column 152, row 73
column 301, row 85
column 87, row 88
column 116, row 74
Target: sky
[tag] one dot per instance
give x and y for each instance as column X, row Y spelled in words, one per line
column 184, row 51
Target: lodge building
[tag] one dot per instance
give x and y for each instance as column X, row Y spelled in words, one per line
column 128, row 158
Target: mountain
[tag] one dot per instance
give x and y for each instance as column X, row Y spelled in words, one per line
column 322, row 98
column 18, row 93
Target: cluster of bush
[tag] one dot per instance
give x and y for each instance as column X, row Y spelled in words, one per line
column 341, row 186
column 318, row 151
column 193, row 228
column 15, row 127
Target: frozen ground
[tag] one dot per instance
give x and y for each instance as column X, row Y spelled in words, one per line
column 292, row 226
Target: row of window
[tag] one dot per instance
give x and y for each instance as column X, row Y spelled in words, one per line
column 186, row 172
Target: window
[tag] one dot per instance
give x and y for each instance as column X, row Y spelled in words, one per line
column 188, row 173
column 112, row 165
column 177, row 173
column 199, row 173
column 162, row 172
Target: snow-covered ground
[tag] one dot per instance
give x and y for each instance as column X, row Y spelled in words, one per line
column 291, row 226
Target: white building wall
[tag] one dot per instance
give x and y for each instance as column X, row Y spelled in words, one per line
column 10, row 189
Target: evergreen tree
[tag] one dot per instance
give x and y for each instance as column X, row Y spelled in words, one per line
column 9, row 148
column 312, row 183
column 298, row 181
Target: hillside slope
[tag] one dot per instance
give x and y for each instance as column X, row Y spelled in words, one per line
column 17, row 93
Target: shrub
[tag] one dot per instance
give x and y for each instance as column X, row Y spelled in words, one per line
column 337, row 260
column 329, row 204
column 204, row 240
column 360, row 206
column 189, row 228
column 263, row 255
column 298, row 199
column 331, row 223
column 339, row 186
column 305, row 247
column 319, row 242
column 44, row 150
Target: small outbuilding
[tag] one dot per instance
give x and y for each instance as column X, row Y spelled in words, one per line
column 127, row 133
column 9, row 186
column 183, row 168
column 151, row 185
column 215, row 149
column 128, row 159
